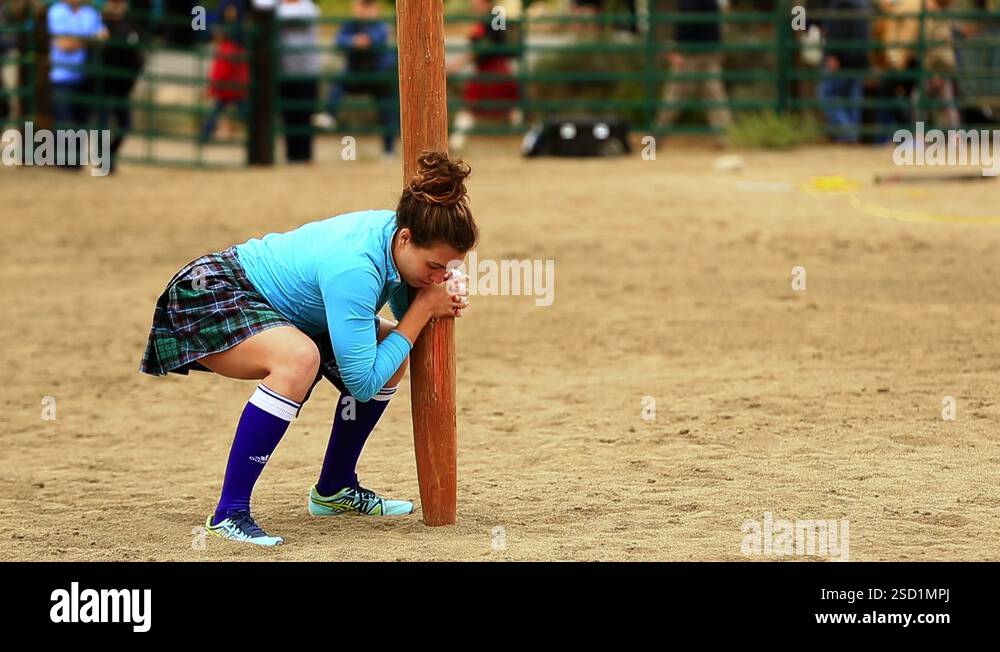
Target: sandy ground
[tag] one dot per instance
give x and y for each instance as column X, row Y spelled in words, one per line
column 671, row 283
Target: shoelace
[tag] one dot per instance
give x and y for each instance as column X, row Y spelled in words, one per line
column 365, row 493
column 244, row 521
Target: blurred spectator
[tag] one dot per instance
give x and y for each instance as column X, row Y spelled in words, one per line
column 300, row 59
column 702, row 34
column 71, row 25
column 982, row 52
column 841, row 94
column 230, row 72
column 940, row 61
column 900, row 32
column 365, row 40
column 587, row 9
column 488, row 57
column 895, row 63
column 123, row 57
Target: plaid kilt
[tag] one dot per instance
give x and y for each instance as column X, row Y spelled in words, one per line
column 210, row 306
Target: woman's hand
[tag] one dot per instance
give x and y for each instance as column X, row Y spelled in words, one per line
column 457, row 285
column 446, row 299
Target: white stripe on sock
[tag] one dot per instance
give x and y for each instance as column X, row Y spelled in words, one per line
column 386, row 393
column 270, row 402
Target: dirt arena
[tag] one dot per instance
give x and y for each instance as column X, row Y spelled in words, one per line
column 672, row 281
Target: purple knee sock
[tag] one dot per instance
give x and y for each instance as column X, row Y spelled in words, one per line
column 265, row 420
column 352, row 424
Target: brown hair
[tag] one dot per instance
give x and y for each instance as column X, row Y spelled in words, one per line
column 434, row 205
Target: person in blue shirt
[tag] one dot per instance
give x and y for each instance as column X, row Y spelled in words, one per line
column 365, row 42
column 841, row 90
column 72, row 25
column 292, row 308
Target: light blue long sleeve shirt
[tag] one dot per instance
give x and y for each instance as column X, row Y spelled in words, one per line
column 334, row 276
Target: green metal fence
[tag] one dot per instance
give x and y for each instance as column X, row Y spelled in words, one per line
column 563, row 71
column 168, row 103
column 171, row 103
column 21, row 55
column 563, row 65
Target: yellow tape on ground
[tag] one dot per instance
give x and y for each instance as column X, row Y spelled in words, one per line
column 833, row 184
column 919, row 216
column 840, row 185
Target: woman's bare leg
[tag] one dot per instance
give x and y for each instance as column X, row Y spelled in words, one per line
column 347, row 440
column 283, row 357
column 287, row 361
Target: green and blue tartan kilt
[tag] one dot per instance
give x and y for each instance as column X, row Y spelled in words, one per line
column 210, row 306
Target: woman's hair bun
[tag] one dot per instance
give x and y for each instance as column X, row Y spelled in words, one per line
column 439, row 179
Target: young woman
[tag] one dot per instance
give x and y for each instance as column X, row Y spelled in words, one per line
column 291, row 308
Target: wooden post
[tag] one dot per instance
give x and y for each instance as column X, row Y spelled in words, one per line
column 260, row 144
column 424, row 125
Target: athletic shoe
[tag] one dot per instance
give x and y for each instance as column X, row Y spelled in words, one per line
column 240, row 526
column 356, row 499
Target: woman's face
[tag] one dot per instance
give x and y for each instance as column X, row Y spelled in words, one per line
column 422, row 266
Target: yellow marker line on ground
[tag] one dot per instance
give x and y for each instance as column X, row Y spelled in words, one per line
column 919, row 216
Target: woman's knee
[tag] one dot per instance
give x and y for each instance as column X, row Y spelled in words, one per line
column 297, row 363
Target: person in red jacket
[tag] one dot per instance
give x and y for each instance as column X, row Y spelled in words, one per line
column 229, row 75
column 490, row 54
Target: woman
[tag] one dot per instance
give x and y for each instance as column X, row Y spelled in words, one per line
column 291, row 308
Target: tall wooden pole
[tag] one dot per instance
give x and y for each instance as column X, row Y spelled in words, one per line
column 424, row 125
column 260, row 144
